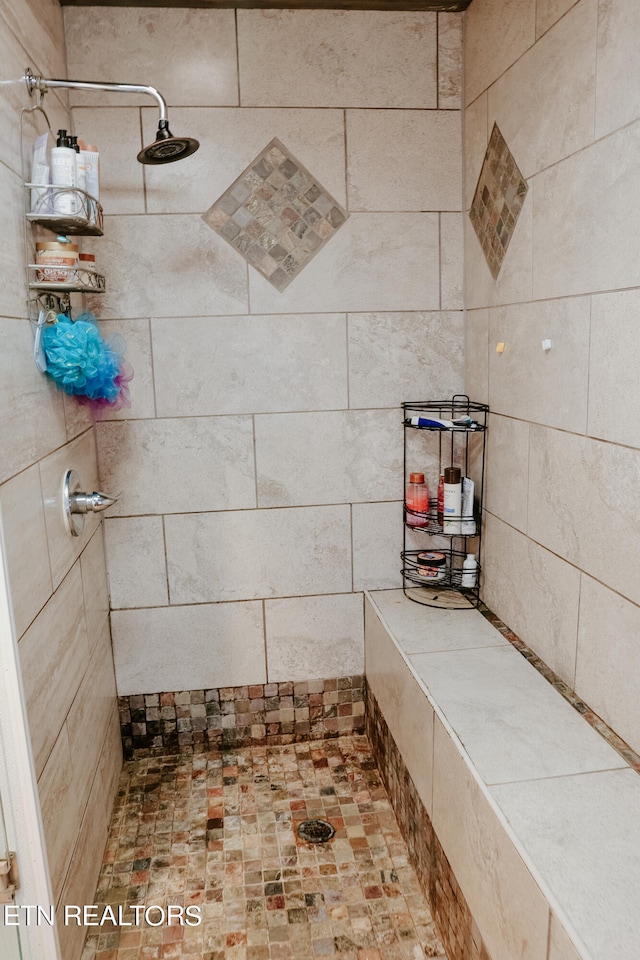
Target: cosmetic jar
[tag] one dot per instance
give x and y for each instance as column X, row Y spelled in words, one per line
column 57, row 262
column 432, row 565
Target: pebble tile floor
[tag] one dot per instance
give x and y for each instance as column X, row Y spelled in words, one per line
column 219, row 830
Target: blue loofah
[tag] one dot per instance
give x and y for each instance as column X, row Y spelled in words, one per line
column 80, row 361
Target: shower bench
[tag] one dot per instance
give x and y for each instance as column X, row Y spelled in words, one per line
column 538, row 816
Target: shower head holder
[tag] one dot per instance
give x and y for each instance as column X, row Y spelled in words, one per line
column 165, row 149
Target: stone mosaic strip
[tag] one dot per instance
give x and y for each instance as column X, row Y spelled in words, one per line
column 270, row 713
column 605, row 731
column 498, row 201
column 277, row 215
column 455, row 925
column 218, row 831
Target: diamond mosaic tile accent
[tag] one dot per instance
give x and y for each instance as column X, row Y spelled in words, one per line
column 277, row 215
column 498, row 201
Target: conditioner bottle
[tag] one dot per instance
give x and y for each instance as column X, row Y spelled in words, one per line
column 63, row 174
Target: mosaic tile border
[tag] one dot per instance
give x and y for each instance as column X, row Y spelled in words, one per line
column 455, row 925
column 277, row 215
column 498, row 200
column 270, row 713
column 606, row 732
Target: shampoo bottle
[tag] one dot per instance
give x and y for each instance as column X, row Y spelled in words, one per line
column 417, row 501
column 452, row 500
column 63, row 174
column 81, row 176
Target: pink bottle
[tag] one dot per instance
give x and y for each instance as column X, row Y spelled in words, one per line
column 417, row 501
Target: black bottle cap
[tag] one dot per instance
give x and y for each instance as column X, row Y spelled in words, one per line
column 63, row 139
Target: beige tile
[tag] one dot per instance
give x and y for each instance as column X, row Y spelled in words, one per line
column 585, row 226
column 221, row 645
column 514, row 282
column 393, row 355
column 109, row 767
column 428, row 174
column 528, row 382
column 178, row 465
column 476, row 138
column 25, row 545
column 332, row 457
column 560, row 946
column 451, row 261
column 449, row 61
column 94, row 587
column 189, row 55
column 54, row 654
column 246, row 554
column 78, row 416
column 476, row 355
column 79, row 455
column 168, row 266
column 38, row 29
column 376, row 261
column 586, row 860
column 617, row 97
column 116, row 133
column 549, row 12
column 540, row 126
column 505, row 902
column 81, row 881
column 309, row 638
column 421, row 630
column 535, row 593
column 377, row 542
column 402, row 701
column 249, row 364
column 12, row 247
column 62, row 809
column 508, row 716
column 345, row 58
column 496, row 35
column 89, row 715
column 137, row 567
column 613, row 386
column 230, row 140
column 575, row 482
column 136, row 336
column 507, row 470
column 14, row 98
column 608, row 658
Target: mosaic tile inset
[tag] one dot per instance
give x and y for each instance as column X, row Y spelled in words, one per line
column 498, row 201
column 225, row 717
column 277, row 215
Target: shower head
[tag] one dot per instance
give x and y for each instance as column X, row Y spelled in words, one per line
column 166, row 148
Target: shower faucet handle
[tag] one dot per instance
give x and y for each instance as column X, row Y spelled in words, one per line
column 76, row 503
column 94, row 502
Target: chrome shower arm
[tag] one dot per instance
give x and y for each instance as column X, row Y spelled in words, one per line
column 42, row 85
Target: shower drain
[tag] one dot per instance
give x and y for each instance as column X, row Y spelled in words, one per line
column 315, row 831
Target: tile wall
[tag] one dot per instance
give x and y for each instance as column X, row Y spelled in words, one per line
column 58, row 584
column 560, row 79
column 261, row 461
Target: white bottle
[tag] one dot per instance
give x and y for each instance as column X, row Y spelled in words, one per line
column 81, row 179
column 452, row 501
column 469, row 571
column 63, row 174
